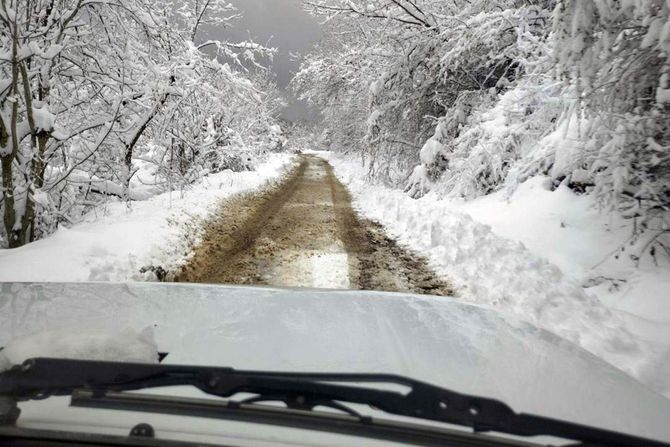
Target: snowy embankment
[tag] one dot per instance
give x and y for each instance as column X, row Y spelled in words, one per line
column 542, row 256
column 117, row 244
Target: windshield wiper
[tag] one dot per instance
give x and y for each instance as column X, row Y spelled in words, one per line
column 99, row 384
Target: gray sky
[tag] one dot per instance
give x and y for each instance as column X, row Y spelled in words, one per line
column 282, row 24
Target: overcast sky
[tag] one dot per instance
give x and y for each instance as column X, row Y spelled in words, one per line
column 282, row 24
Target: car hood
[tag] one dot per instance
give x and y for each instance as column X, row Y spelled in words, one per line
column 462, row 347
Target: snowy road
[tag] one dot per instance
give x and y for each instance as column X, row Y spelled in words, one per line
column 304, row 233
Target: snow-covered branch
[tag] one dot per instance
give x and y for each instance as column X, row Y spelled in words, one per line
column 90, row 85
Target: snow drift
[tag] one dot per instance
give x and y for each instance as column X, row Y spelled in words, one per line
column 499, row 272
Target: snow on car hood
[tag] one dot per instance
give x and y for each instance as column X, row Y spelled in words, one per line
column 459, row 346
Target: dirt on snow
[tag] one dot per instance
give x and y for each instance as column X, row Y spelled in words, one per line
column 304, row 232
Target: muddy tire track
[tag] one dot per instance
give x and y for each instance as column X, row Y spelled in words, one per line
column 304, row 232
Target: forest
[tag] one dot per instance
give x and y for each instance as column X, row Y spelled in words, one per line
column 124, row 99
column 466, row 97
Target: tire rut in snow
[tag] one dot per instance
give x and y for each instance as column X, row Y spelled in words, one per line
column 234, row 230
column 304, row 232
column 377, row 262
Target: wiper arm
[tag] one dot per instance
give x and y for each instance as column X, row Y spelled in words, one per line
column 41, row 378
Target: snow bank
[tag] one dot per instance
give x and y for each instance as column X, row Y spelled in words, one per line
column 502, row 263
column 117, row 244
column 126, row 345
column 571, row 233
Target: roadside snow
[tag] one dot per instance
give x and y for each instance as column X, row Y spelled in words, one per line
column 518, row 258
column 568, row 230
column 115, row 244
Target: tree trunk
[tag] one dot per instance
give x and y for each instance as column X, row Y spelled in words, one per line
column 9, row 218
column 139, row 130
column 14, row 232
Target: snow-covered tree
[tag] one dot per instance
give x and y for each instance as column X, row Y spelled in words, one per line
column 408, row 63
column 90, row 92
column 616, row 57
column 466, row 97
column 52, row 70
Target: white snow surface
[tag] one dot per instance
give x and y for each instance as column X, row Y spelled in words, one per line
column 115, row 243
column 439, row 340
column 44, row 120
column 530, row 256
column 86, row 343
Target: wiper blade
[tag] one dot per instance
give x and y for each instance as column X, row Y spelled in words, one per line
column 330, row 422
column 41, row 378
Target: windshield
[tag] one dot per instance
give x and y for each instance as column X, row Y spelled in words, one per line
column 472, row 193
